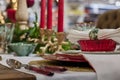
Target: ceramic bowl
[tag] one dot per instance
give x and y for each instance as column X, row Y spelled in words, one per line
column 22, row 49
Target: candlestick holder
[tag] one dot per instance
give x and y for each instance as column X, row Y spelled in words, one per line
column 51, row 43
column 22, row 14
column 42, row 36
column 48, row 42
column 60, row 40
column 49, row 33
column 2, row 21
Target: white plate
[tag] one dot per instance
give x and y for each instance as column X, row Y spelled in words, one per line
column 102, row 52
column 72, row 51
column 90, row 52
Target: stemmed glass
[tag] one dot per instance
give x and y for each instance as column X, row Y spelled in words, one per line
column 84, row 26
column 2, row 38
column 9, row 30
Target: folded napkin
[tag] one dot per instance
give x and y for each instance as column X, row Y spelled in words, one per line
column 107, row 67
column 75, row 35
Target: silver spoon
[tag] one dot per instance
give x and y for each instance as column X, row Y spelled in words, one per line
column 17, row 65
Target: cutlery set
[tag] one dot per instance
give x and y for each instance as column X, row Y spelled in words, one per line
column 44, row 69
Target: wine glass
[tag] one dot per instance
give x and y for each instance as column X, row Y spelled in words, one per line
column 9, row 29
column 2, row 38
column 84, row 26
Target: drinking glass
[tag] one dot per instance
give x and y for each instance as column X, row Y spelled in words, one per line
column 2, row 38
column 84, row 26
column 9, row 30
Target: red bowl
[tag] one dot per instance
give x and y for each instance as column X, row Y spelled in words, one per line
column 97, row 45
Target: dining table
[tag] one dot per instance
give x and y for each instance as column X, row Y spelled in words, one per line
column 67, row 75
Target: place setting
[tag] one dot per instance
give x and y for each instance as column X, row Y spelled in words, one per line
column 43, row 69
column 58, row 40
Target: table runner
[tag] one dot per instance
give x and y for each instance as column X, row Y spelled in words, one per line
column 11, row 74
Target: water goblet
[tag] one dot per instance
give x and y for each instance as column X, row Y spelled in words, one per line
column 2, row 38
column 9, row 30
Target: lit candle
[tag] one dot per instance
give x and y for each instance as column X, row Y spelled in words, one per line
column 11, row 15
column 60, row 15
column 49, row 15
column 43, row 8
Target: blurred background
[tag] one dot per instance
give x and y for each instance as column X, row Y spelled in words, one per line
column 79, row 11
column 76, row 11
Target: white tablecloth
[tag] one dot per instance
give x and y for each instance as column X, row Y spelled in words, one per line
column 68, row 75
column 107, row 66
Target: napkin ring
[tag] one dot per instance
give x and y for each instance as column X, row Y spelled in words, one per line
column 93, row 35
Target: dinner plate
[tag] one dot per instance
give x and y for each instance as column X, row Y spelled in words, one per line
column 71, row 51
column 65, row 57
column 91, row 52
column 102, row 52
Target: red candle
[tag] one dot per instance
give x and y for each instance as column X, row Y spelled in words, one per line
column 30, row 3
column 43, row 8
column 49, row 15
column 60, row 15
column 11, row 15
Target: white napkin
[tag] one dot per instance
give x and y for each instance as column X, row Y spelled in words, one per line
column 107, row 67
column 75, row 35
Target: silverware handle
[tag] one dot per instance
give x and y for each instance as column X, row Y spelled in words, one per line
column 55, row 68
column 40, row 70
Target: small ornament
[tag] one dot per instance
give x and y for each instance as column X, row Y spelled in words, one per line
column 93, row 34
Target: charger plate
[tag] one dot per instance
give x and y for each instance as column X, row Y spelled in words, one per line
column 71, row 51
column 91, row 52
column 73, row 62
column 102, row 52
column 71, row 66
